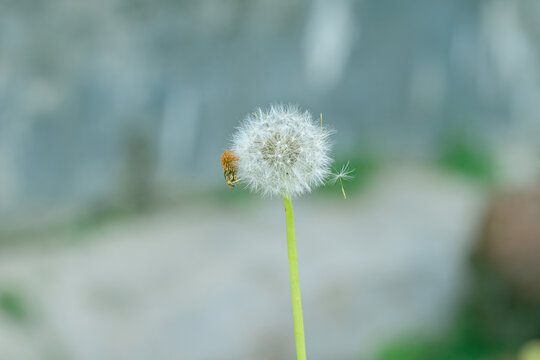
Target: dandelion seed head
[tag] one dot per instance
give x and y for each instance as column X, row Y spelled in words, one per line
column 282, row 151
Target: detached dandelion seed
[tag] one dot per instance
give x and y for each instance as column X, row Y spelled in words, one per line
column 343, row 174
column 282, row 151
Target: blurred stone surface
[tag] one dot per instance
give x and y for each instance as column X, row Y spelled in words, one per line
column 78, row 79
column 209, row 281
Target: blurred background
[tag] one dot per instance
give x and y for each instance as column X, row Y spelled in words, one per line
column 119, row 238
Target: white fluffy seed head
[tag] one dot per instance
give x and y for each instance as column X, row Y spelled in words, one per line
column 282, row 151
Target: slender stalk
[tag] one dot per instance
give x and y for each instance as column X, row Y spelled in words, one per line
column 295, row 282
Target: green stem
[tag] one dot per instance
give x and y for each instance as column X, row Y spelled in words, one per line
column 295, row 283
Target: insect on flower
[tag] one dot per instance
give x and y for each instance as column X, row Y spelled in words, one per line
column 230, row 167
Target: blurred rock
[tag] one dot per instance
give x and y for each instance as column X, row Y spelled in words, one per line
column 510, row 242
column 506, row 284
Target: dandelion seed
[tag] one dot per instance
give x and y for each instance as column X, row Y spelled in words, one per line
column 343, row 174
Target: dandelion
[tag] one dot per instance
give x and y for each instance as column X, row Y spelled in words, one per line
column 343, row 174
column 282, row 151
